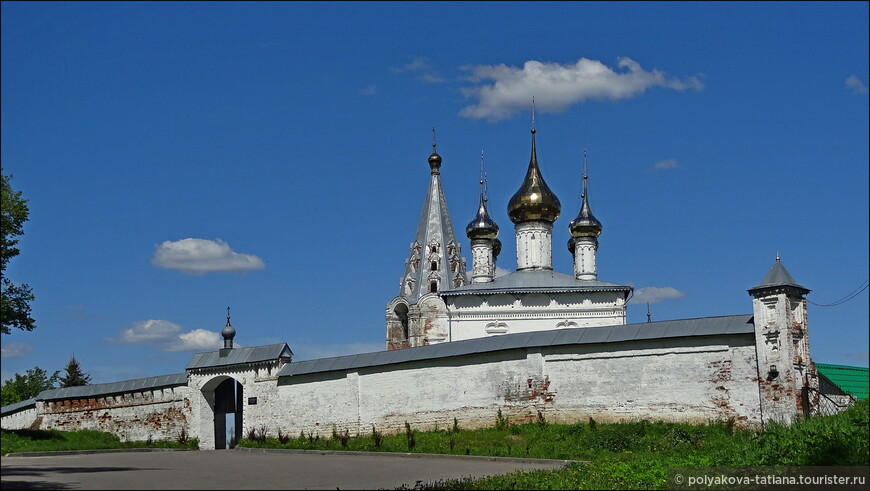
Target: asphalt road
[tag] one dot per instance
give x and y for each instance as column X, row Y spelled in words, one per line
column 242, row 469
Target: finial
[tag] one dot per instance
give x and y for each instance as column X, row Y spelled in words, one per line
column 777, row 255
column 433, row 138
column 585, row 177
column 533, row 114
column 648, row 315
column 228, row 313
column 482, row 179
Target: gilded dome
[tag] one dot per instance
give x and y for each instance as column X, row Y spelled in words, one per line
column 534, row 201
column 435, row 161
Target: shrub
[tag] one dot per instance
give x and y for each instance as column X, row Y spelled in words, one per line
column 541, row 420
column 501, row 422
column 183, row 437
column 283, row 438
column 412, row 440
column 377, row 437
column 455, row 425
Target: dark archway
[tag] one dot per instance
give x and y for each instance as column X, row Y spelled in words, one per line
column 227, row 400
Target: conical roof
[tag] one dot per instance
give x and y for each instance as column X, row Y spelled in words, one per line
column 778, row 276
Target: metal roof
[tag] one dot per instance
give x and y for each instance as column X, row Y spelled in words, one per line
column 434, row 226
column 95, row 390
column 535, row 281
column 779, row 276
column 705, row 326
column 239, row 356
column 12, row 408
column 852, row 380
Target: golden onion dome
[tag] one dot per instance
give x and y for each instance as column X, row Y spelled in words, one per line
column 496, row 248
column 482, row 226
column 571, row 245
column 435, row 161
column 585, row 224
column 534, row 201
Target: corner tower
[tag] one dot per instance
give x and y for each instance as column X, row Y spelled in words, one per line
column 782, row 346
column 418, row 316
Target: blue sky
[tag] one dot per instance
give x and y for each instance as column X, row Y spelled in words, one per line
column 180, row 158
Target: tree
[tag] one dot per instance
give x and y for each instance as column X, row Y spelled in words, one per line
column 23, row 387
column 74, row 375
column 16, row 298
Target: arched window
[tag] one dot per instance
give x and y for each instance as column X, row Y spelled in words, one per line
column 433, row 286
column 434, row 266
column 401, row 312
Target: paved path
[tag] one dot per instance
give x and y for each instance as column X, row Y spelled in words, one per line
column 241, row 469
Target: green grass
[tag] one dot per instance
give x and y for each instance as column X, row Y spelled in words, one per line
column 620, row 456
column 624, row 455
column 13, row 441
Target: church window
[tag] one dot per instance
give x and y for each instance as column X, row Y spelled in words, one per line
column 401, row 311
column 434, row 266
column 433, row 286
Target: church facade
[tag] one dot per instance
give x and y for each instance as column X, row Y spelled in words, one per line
column 463, row 346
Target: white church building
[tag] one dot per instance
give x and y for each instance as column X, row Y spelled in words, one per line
column 532, row 341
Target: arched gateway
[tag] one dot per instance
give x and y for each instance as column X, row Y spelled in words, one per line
column 225, row 382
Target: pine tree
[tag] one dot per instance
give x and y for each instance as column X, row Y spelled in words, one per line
column 74, row 375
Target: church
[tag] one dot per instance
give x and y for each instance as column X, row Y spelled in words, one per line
column 437, row 303
column 465, row 345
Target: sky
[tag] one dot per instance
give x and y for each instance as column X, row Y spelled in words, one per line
column 182, row 158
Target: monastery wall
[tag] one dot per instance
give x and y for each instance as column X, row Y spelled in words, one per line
column 159, row 414
column 696, row 379
column 688, row 379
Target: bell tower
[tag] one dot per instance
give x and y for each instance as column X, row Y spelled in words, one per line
column 418, row 315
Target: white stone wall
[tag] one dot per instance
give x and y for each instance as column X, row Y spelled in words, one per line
column 477, row 316
column 534, row 245
column 692, row 379
column 20, row 420
column 686, row 379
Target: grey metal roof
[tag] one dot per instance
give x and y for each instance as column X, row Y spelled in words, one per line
column 12, row 408
column 705, row 326
column 96, row 390
column 434, row 225
column 238, row 356
column 536, row 281
column 114, row 387
column 778, row 276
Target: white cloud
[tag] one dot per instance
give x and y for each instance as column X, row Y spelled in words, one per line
column 168, row 336
column 422, row 68
column 557, row 87
column 369, row 90
column 200, row 256
column 857, row 86
column 15, row 350
column 655, row 294
column 665, row 164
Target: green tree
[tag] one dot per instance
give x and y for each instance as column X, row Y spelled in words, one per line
column 16, row 298
column 23, row 387
column 74, row 375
